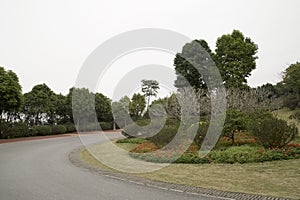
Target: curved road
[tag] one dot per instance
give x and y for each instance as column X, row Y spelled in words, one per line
column 41, row 170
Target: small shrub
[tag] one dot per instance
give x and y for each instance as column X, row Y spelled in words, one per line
column 70, row 128
column 273, row 132
column 106, row 125
column 42, row 130
column 59, row 129
column 235, row 121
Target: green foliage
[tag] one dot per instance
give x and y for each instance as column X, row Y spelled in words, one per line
column 59, row 129
column 292, row 101
column 38, row 101
column 149, row 88
column 195, row 56
column 82, row 105
column 291, row 78
column 235, row 121
column 143, row 127
column 121, row 111
column 106, row 125
column 42, row 130
column 165, row 135
column 103, row 108
column 14, row 130
column 235, row 58
column 201, row 133
column 291, row 86
column 185, row 69
column 59, row 110
column 70, row 127
column 137, row 106
column 233, row 154
column 273, row 132
column 10, row 92
column 132, row 140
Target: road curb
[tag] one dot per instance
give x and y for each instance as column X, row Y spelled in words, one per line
column 76, row 159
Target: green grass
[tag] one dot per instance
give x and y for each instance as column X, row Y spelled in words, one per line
column 277, row 178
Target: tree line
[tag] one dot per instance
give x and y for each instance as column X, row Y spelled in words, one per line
column 234, row 56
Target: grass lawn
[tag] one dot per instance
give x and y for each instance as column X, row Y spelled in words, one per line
column 277, row 178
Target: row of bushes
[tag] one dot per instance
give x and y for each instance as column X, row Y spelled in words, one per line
column 22, row 129
column 267, row 129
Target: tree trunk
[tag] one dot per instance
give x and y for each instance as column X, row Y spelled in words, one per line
column 232, row 137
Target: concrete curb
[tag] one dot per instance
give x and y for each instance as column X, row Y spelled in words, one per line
column 76, row 159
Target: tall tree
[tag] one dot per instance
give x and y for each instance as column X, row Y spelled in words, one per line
column 291, row 78
column 121, row 111
column 235, row 58
column 58, row 112
column 291, row 86
column 137, row 106
column 103, row 108
column 39, row 102
column 10, row 92
column 82, row 106
column 149, row 88
column 185, row 70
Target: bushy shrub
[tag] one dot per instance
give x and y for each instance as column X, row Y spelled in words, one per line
column 106, row 125
column 70, row 128
column 144, row 128
column 59, row 129
column 273, row 132
column 88, row 127
column 42, row 130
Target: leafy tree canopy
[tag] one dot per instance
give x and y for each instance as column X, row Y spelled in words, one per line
column 10, row 91
column 235, row 58
column 137, row 106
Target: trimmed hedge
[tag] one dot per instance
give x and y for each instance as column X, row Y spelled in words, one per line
column 106, row 125
column 14, row 130
column 42, row 130
column 59, row 129
column 70, row 128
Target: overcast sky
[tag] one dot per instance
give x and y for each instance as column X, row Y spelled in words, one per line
column 48, row 41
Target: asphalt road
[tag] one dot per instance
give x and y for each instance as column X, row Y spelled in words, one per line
column 41, row 170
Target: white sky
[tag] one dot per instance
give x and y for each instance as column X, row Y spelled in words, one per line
column 48, row 41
